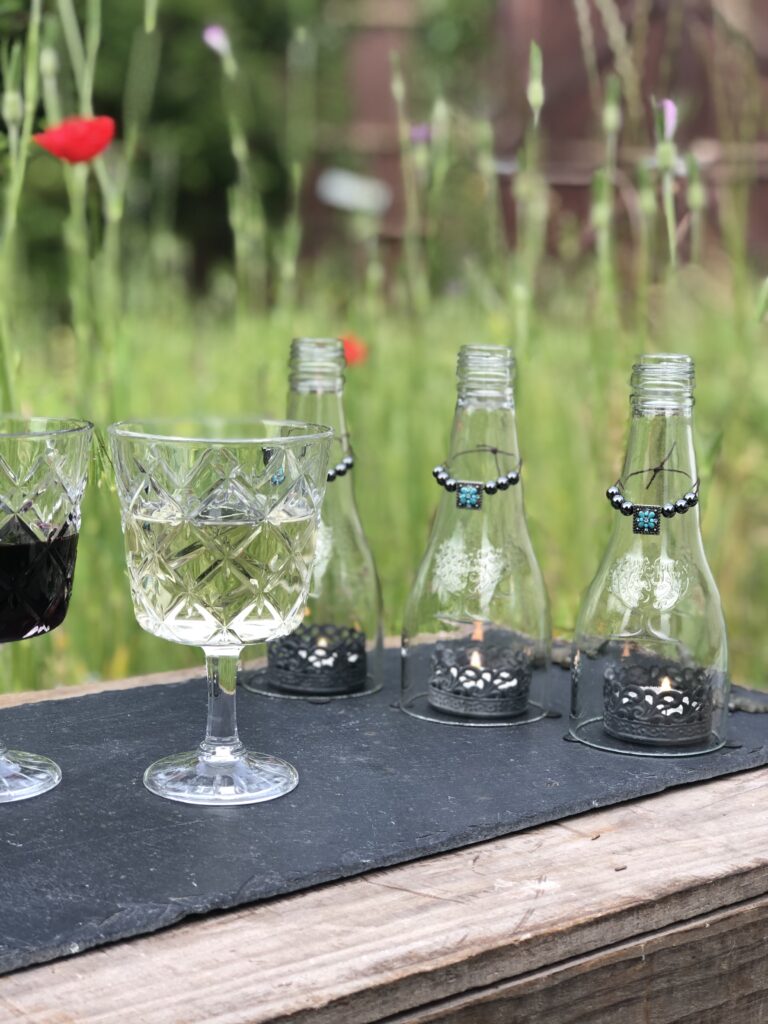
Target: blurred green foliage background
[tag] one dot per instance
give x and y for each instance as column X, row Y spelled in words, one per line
column 186, row 300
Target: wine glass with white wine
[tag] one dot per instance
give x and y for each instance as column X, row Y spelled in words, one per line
column 220, row 519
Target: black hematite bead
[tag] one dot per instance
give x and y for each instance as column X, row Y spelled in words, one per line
column 611, row 491
column 502, row 483
column 513, row 477
column 627, row 508
column 691, row 499
column 331, row 475
column 668, row 510
column 341, row 469
column 491, row 487
column 617, row 500
column 442, row 476
column 437, row 471
column 451, row 484
column 681, row 506
column 348, row 461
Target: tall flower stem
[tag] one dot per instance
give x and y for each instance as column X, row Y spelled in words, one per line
column 647, row 214
column 670, row 220
column 666, row 161
column 246, row 218
column 531, row 195
column 95, row 279
column 418, row 283
column 150, row 15
column 76, row 240
column 20, row 133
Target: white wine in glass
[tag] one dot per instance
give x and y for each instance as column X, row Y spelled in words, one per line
column 220, row 522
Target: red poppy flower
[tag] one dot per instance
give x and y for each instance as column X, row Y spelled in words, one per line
column 355, row 349
column 77, row 139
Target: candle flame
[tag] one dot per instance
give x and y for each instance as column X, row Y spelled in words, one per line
column 476, row 659
column 478, row 633
column 666, row 683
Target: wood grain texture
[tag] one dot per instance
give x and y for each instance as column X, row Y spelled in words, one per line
column 709, row 971
column 454, row 927
column 9, row 700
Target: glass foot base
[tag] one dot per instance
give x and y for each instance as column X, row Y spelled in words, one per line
column 26, row 775
column 191, row 779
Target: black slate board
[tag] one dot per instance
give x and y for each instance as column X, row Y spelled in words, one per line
column 99, row 858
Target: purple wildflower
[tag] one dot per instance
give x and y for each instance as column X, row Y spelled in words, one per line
column 421, row 134
column 668, row 119
column 216, row 37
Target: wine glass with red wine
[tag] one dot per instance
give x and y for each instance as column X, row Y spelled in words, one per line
column 43, row 468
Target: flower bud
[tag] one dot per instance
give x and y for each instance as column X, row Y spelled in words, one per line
column 666, row 155
column 398, row 87
column 535, row 91
column 647, row 200
column 697, row 198
column 535, row 96
column 441, row 119
column 13, row 107
column 49, row 62
column 611, row 118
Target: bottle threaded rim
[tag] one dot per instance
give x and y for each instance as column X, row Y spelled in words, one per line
column 486, row 370
column 317, row 364
column 663, row 380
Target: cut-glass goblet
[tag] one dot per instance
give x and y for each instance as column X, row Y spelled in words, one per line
column 43, row 469
column 220, row 520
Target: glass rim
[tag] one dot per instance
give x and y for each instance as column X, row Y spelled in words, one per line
column 131, row 429
column 319, row 340
column 65, row 425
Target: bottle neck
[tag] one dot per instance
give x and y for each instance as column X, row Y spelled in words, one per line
column 485, row 423
column 327, row 407
column 660, row 464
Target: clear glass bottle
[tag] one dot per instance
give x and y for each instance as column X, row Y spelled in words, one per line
column 476, row 633
column 649, row 674
column 336, row 652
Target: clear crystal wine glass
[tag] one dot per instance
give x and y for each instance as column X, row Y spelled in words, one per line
column 220, row 519
column 43, row 469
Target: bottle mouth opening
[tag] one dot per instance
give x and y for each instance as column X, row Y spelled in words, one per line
column 663, row 377
column 317, row 364
column 486, row 369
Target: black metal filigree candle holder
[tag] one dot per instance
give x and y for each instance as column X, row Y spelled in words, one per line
column 318, row 660
column 477, row 680
column 660, row 704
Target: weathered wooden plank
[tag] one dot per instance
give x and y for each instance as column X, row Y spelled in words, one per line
column 9, row 700
column 712, row 970
column 396, row 940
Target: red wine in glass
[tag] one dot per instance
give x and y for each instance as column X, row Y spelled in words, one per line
column 35, row 583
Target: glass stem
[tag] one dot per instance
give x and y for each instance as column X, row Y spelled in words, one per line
column 221, row 741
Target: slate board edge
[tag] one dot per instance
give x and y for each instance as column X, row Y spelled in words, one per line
column 242, row 897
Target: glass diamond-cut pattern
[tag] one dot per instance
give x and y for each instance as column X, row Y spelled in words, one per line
column 42, row 480
column 217, row 553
